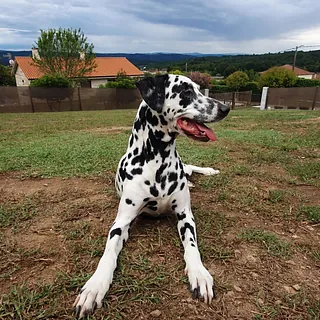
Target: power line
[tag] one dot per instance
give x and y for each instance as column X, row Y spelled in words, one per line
column 296, row 52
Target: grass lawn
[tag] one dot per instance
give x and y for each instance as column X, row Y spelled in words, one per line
column 258, row 221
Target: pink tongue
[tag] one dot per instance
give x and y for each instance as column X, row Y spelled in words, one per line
column 209, row 133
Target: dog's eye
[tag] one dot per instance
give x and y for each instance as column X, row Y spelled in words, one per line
column 189, row 93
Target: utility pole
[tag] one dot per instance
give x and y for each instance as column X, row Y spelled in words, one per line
column 295, row 57
column 186, row 66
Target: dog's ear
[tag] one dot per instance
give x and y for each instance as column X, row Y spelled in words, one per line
column 152, row 90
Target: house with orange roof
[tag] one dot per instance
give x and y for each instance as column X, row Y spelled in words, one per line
column 107, row 69
column 300, row 73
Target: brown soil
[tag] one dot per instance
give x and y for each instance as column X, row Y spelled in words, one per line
column 72, row 213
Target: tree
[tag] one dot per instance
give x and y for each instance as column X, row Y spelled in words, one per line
column 237, row 80
column 64, row 52
column 52, row 81
column 277, row 77
column 202, row 79
column 6, row 79
column 52, row 97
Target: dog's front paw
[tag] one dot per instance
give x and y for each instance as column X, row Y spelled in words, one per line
column 210, row 171
column 201, row 283
column 90, row 297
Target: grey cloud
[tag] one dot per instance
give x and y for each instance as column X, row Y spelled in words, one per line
column 175, row 25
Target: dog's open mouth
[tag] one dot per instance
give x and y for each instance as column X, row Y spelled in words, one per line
column 196, row 130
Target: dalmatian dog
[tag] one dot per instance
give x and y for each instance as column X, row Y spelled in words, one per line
column 151, row 179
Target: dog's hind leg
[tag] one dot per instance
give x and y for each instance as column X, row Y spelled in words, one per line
column 94, row 290
column 189, row 169
column 201, row 282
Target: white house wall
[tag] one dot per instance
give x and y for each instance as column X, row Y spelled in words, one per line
column 21, row 79
column 305, row 76
column 95, row 83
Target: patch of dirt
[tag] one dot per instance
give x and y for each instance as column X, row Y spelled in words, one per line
column 68, row 231
column 108, row 130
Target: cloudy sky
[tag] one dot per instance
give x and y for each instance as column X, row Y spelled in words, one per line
column 206, row 26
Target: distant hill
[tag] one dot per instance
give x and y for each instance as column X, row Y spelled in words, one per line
column 225, row 65
column 215, row 64
column 138, row 59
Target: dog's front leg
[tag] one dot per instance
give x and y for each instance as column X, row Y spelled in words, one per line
column 201, row 282
column 94, row 290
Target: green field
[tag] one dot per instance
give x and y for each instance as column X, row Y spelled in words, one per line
column 258, row 221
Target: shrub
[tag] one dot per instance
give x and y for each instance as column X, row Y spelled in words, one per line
column 177, row 72
column 122, row 81
column 251, row 86
column 237, row 80
column 300, row 82
column 220, row 89
column 277, row 77
column 202, row 79
column 52, row 81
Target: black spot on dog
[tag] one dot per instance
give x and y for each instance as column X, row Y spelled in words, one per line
column 159, row 134
column 114, row 232
column 163, row 121
column 154, row 191
column 131, row 141
column 153, row 120
column 137, row 125
column 153, row 208
column 128, row 201
column 191, row 240
column 147, row 182
column 172, row 177
column 129, row 155
column 152, row 203
column 174, row 207
column 182, row 185
column 181, row 216
column 163, row 182
column 173, row 96
column 192, row 245
column 135, row 151
column 160, row 171
column 174, row 201
column 146, row 199
column 176, row 79
column 172, row 188
column 167, row 95
column 183, row 230
column 136, row 171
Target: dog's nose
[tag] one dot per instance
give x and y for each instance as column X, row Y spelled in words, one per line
column 223, row 110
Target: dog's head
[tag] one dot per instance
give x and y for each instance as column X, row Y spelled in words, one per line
column 185, row 109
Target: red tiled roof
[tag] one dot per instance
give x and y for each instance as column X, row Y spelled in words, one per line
column 106, row 67
column 297, row 71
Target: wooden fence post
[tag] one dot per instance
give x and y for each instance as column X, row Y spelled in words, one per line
column 30, row 95
column 315, row 98
column 79, row 97
column 233, row 100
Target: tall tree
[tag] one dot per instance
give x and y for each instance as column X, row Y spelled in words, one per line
column 277, row 77
column 6, row 78
column 65, row 52
column 237, row 80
